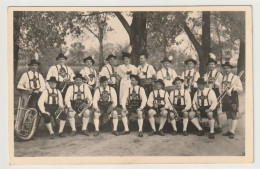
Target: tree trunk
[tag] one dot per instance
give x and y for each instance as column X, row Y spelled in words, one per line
column 241, row 59
column 101, row 54
column 17, row 20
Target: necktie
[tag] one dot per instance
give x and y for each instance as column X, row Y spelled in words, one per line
column 113, row 69
column 202, row 99
column 53, row 97
column 210, row 74
column 179, row 98
column 34, row 81
column 167, row 72
column 189, row 74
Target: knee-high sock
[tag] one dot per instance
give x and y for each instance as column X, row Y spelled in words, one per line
column 72, row 124
column 185, row 124
column 229, row 124
column 115, row 122
column 196, row 123
column 140, row 124
column 162, row 122
column 49, row 127
column 211, row 125
column 84, row 123
column 96, row 123
column 173, row 122
column 234, row 125
column 62, row 124
column 151, row 120
column 218, row 121
column 124, row 120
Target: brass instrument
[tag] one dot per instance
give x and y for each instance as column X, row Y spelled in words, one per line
column 26, row 121
column 82, row 105
column 58, row 112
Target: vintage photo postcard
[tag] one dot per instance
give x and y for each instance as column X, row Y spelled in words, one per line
column 130, row 85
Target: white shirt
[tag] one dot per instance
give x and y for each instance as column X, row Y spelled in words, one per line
column 185, row 100
column 163, row 94
column 86, row 71
column 54, row 72
column 25, row 84
column 196, row 76
column 141, row 94
column 97, row 93
column 162, row 74
column 216, row 75
column 211, row 98
column 44, row 99
column 150, row 71
column 232, row 78
column 123, row 69
column 74, row 88
column 108, row 71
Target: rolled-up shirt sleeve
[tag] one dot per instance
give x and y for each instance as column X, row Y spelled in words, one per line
column 167, row 101
column 150, row 100
column 195, row 102
column 124, row 99
column 213, row 100
column 88, row 94
column 60, row 99
column 42, row 83
column 96, row 98
column 113, row 97
column 68, row 96
column 238, row 86
column 187, row 100
column 43, row 99
column 143, row 97
column 22, row 81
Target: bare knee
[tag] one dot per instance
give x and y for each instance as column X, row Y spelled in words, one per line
column 140, row 114
column 96, row 115
column 164, row 113
column 71, row 114
column 192, row 115
column 114, row 114
column 210, row 115
column 151, row 113
column 172, row 116
column 86, row 113
column 185, row 114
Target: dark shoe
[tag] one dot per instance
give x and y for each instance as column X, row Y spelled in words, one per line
column 85, row 132
column 115, row 133
column 175, row 132
column 185, row 133
column 151, row 133
column 231, row 135
column 52, row 136
column 140, row 134
column 125, row 132
column 73, row 133
column 160, row 132
column 226, row 134
column 96, row 133
column 211, row 136
column 61, row 135
column 218, row 130
column 200, row 133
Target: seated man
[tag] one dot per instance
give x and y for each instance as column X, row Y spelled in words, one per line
column 104, row 102
column 134, row 101
column 204, row 102
column 78, row 99
column 51, row 104
column 158, row 102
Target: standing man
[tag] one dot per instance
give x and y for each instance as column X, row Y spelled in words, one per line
column 104, row 103
column 158, row 103
column 63, row 74
column 78, row 99
column 49, row 102
column 204, row 102
column 146, row 73
column 167, row 75
column 214, row 81
column 134, row 101
column 230, row 103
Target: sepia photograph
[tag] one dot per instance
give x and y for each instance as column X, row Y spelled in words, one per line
column 127, row 82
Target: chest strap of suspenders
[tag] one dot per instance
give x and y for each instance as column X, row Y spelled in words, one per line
column 205, row 96
column 32, row 80
column 76, row 93
column 48, row 101
column 227, row 79
column 133, row 90
column 160, row 97
column 109, row 92
column 108, row 72
column 59, row 72
column 174, row 97
column 147, row 71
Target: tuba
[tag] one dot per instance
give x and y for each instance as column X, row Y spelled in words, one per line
column 26, row 122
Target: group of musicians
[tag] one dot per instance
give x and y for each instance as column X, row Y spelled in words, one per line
column 130, row 89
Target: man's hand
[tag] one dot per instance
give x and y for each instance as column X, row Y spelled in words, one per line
column 61, row 107
column 197, row 113
column 183, row 110
column 110, row 81
column 70, row 109
column 46, row 113
column 163, row 108
column 208, row 110
column 139, row 109
column 97, row 110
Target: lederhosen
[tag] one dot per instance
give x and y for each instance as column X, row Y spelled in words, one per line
column 160, row 101
column 32, row 103
column 78, row 99
column 227, row 101
column 134, row 101
column 63, row 93
column 105, row 100
column 179, row 107
column 146, row 83
column 202, row 108
column 193, row 89
column 211, row 81
column 111, row 85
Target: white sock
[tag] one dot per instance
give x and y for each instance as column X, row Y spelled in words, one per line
column 49, row 127
column 124, row 120
column 62, row 124
column 196, row 123
column 218, row 122
column 173, row 122
column 234, row 125
column 72, row 124
column 229, row 124
column 140, row 124
column 96, row 123
column 162, row 122
column 151, row 120
column 211, row 125
column 185, row 124
column 85, row 123
column 115, row 122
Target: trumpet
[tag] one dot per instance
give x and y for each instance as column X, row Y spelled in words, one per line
column 82, row 105
column 58, row 112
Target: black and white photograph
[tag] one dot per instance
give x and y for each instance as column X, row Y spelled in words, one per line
column 127, row 82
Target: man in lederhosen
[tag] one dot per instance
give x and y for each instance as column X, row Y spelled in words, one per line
column 49, row 102
column 146, row 73
column 214, row 80
column 230, row 103
column 167, row 74
column 63, row 74
column 134, row 101
column 204, row 102
column 78, row 99
column 31, row 85
column 190, row 76
column 90, row 74
column 181, row 106
column 158, row 103
column 104, row 103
